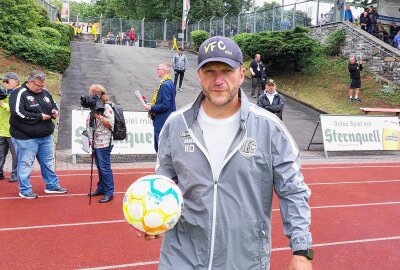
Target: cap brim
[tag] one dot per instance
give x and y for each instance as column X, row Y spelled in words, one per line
column 230, row 62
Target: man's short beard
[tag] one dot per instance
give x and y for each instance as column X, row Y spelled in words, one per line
column 229, row 98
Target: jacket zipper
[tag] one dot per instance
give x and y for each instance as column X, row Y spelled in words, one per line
column 214, row 217
column 215, row 184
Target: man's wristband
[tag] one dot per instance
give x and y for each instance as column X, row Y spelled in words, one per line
column 309, row 253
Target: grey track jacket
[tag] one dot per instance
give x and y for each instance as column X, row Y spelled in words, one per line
column 179, row 62
column 226, row 222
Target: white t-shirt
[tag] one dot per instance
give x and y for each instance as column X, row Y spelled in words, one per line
column 270, row 96
column 218, row 135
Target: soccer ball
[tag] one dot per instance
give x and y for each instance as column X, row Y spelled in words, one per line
column 153, row 204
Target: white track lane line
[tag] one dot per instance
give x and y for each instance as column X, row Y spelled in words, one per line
column 309, row 184
column 273, row 250
column 95, row 174
column 318, row 167
column 122, row 220
column 57, row 195
column 62, row 225
column 353, row 182
column 120, row 266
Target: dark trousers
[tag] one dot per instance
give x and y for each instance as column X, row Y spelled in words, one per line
column 5, row 145
column 102, row 157
column 156, row 135
column 179, row 73
column 256, row 85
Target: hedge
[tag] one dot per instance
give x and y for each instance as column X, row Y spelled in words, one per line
column 198, row 37
column 55, row 58
column 26, row 31
column 290, row 49
column 46, row 34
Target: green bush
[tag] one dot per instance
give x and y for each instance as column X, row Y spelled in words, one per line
column 26, row 31
column 244, row 41
column 55, row 58
column 64, row 29
column 198, row 37
column 333, row 42
column 48, row 35
column 281, row 50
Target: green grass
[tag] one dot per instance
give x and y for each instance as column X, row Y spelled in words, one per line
column 22, row 69
column 325, row 86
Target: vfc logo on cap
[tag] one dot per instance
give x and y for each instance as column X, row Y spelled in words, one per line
column 216, row 44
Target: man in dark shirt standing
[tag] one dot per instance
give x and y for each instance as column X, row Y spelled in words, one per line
column 393, row 31
column 355, row 77
column 256, row 71
column 32, row 111
column 373, row 17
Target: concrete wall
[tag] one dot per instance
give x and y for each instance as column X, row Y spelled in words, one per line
column 381, row 59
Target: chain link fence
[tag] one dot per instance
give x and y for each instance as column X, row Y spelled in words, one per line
column 279, row 17
column 51, row 10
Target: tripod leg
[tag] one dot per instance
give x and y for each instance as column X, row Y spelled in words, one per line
column 91, row 178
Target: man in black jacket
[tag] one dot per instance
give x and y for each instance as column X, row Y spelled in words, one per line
column 373, row 17
column 272, row 101
column 32, row 110
column 355, row 77
column 256, row 71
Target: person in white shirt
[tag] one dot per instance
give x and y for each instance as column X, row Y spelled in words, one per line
column 272, row 101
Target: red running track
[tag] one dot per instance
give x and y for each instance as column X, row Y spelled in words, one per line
column 355, row 223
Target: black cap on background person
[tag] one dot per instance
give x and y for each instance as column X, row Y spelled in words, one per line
column 10, row 76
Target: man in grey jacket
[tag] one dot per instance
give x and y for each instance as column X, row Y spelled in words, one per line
column 228, row 156
column 179, row 64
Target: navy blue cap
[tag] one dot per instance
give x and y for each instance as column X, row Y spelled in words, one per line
column 219, row 49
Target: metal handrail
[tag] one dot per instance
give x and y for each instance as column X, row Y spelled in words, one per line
column 373, row 43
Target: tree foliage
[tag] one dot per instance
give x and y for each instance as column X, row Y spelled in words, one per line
column 155, row 9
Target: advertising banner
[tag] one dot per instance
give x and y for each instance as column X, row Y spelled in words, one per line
column 348, row 133
column 185, row 11
column 65, row 10
column 140, row 139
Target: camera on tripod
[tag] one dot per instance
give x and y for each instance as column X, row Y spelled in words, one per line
column 93, row 102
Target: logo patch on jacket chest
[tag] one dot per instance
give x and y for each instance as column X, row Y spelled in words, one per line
column 187, row 141
column 32, row 101
column 249, row 147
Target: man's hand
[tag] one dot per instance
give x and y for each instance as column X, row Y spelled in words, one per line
column 147, row 107
column 300, row 263
column 148, row 237
column 45, row 117
column 54, row 113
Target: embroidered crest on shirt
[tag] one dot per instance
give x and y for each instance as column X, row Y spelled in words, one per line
column 249, row 147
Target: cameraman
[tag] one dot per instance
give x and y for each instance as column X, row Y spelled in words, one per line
column 102, row 123
column 10, row 82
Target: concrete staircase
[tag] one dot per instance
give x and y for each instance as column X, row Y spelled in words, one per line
column 382, row 59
